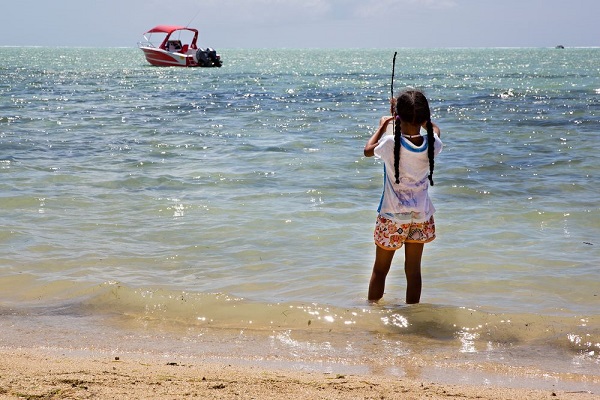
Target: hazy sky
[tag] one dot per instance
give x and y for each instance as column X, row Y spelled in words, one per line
column 306, row 23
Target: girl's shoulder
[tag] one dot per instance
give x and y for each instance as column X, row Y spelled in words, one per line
column 387, row 142
column 385, row 146
column 386, row 139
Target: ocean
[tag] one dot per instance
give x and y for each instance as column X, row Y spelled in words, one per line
column 228, row 213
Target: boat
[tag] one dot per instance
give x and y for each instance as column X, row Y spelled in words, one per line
column 177, row 52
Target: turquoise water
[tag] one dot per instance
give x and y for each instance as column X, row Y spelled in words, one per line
column 152, row 200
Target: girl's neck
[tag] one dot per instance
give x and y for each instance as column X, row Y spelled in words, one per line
column 409, row 129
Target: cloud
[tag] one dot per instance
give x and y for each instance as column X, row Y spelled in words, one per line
column 259, row 12
column 299, row 12
column 401, row 8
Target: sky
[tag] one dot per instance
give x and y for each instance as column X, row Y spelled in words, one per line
column 237, row 24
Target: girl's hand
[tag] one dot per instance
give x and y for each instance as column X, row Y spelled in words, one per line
column 385, row 120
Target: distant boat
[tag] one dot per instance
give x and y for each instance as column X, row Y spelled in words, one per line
column 174, row 53
column 560, row 46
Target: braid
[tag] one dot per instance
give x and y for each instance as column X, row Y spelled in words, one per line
column 430, row 149
column 397, row 139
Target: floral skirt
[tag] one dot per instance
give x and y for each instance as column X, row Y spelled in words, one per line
column 391, row 235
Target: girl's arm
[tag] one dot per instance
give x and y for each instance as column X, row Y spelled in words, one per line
column 369, row 150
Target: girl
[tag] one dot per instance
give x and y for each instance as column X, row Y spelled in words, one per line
column 405, row 211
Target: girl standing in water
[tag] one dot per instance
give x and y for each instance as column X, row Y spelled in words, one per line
column 405, row 210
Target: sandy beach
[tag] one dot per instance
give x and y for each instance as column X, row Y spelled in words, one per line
column 46, row 374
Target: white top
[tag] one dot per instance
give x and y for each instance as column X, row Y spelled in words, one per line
column 408, row 200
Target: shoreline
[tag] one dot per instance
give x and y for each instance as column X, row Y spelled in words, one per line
column 49, row 356
column 57, row 374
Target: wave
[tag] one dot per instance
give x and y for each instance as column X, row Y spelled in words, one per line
column 459, row 328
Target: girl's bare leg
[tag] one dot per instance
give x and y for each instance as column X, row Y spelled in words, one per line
column 383, row 262
column 412, row 269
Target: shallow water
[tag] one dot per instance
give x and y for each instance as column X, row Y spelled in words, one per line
column 166, row 201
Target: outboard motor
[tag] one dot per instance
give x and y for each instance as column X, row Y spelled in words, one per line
column 214, row 57
column 208, row 58
column 202, row 58
column 212, row 54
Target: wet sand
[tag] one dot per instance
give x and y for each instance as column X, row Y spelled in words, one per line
column 51, row 374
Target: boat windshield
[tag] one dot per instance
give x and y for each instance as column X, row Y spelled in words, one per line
column 154, row 39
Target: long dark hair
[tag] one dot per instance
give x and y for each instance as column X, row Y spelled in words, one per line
column 412, row 106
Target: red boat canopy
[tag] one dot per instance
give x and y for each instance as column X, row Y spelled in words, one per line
column 170, row 29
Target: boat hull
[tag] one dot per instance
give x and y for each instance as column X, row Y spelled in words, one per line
column 162, row 58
